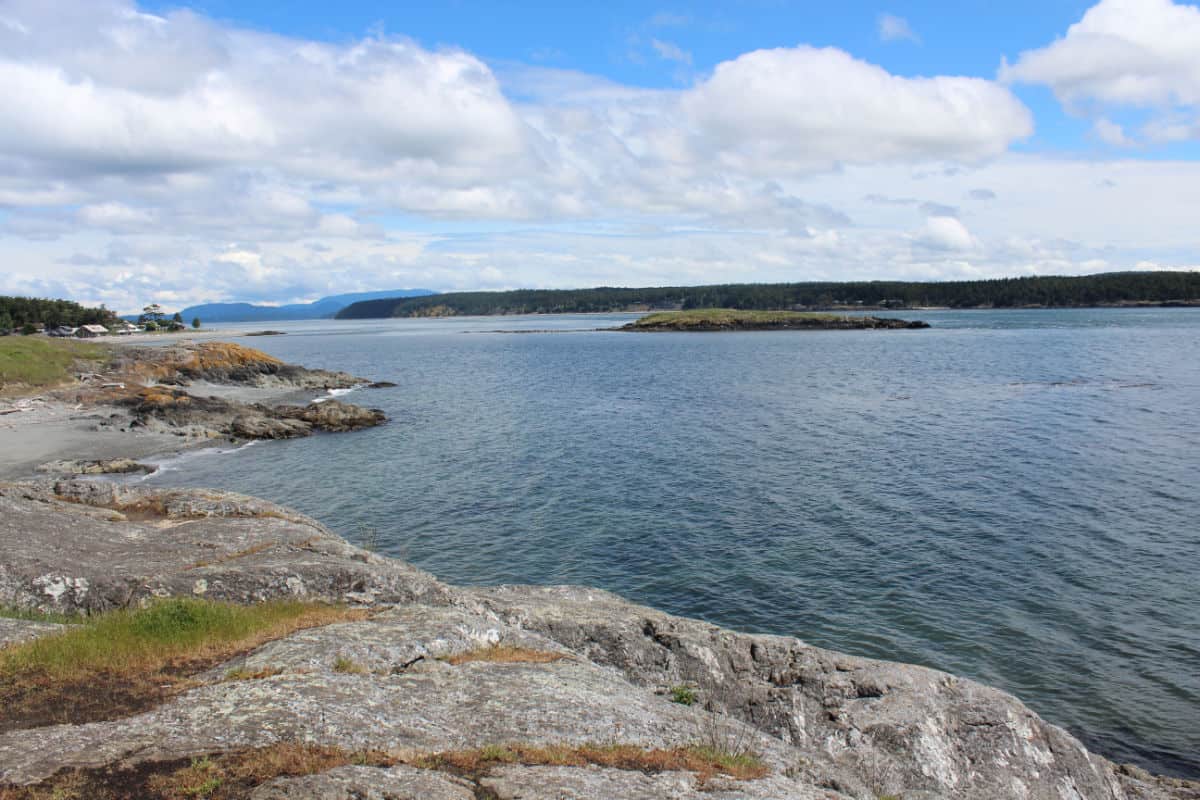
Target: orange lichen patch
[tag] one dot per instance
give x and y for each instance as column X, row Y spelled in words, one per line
column 225, row 355
column 505, row 654
column 162, row 396
column 705, row 762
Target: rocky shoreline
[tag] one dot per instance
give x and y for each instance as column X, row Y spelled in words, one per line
column 725, row 319
column 151, row 400
column 822, row 724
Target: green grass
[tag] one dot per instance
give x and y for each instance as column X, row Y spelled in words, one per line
column 36, row 361
column 704, row 317
column 152, row 638
column 684, row 695
column 742, row 763
column 348, row 666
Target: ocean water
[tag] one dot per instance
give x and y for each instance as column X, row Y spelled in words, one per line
column 1012, row 496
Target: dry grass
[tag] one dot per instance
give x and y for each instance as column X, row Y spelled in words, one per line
column 126, row 661
column 244, row 674
column 226, row 776
column 348, row 666
column 216, row 777
column 705, row 762
column 248, row 551
column 505, row 654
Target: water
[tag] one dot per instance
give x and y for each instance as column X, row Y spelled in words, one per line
column 1011, row 496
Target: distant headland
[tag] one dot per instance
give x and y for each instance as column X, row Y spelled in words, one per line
column 1105, row 290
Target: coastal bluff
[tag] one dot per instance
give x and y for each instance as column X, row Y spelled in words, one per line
column 613, row 683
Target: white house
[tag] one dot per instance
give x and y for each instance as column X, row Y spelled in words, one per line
column 88, row 331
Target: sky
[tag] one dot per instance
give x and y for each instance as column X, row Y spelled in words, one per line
column 248, row 150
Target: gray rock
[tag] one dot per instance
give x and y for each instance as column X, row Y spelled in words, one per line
column 826, row 725
column 587, row 783
column 368, row 783
column 116, row 466
column 16, row 631
column 73, row 546
column 332, row 415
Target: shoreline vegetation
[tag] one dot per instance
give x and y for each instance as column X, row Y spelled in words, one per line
column 728, row 319
column 1116, row 289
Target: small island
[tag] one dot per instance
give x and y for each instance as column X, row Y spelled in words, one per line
column 732, row 319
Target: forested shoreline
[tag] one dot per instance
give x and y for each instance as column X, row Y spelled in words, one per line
column 16, row 312
column 1117, row 288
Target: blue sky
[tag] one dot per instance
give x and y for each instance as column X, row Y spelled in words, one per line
column 180, row 152
column 615, row 39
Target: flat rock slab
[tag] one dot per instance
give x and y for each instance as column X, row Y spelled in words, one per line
column 368, row 783
column 437, row 709
column 400, row 639
column 16, row 631
column 73, row 546
column 520, row 782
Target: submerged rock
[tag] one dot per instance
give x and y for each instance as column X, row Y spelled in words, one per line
column 822, row 724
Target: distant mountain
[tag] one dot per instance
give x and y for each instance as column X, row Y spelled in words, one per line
column 324, row 308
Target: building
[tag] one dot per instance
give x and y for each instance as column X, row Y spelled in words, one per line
column 90, row 331
column 62, row 330
column 125, row 328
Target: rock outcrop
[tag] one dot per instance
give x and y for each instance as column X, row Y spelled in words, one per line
column 823, row 724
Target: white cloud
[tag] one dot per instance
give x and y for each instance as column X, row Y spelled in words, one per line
column 669, row 51
column 787, row 109
column 946, row 233
column 1110, row 132
column 1122, row 53
column 892, row 28
column 173, row 157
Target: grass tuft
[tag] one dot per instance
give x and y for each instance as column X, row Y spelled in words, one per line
column 684, row 695
column 705, row 762
column 125, row 661
column 348, row 666
column 504, row 654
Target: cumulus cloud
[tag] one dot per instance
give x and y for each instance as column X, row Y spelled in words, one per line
column 788, row 109
column 162, row 156
column 945, row 233
column 1123, row 53
column 1110, row 132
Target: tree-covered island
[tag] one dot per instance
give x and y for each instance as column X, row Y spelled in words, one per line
column 1110, row 289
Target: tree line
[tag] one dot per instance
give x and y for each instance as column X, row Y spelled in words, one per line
column 1052, row 291
column 17, row 312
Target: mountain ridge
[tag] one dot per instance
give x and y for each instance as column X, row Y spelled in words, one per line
column 318, row 309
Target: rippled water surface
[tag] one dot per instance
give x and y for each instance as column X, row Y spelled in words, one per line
column 1011, row 496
